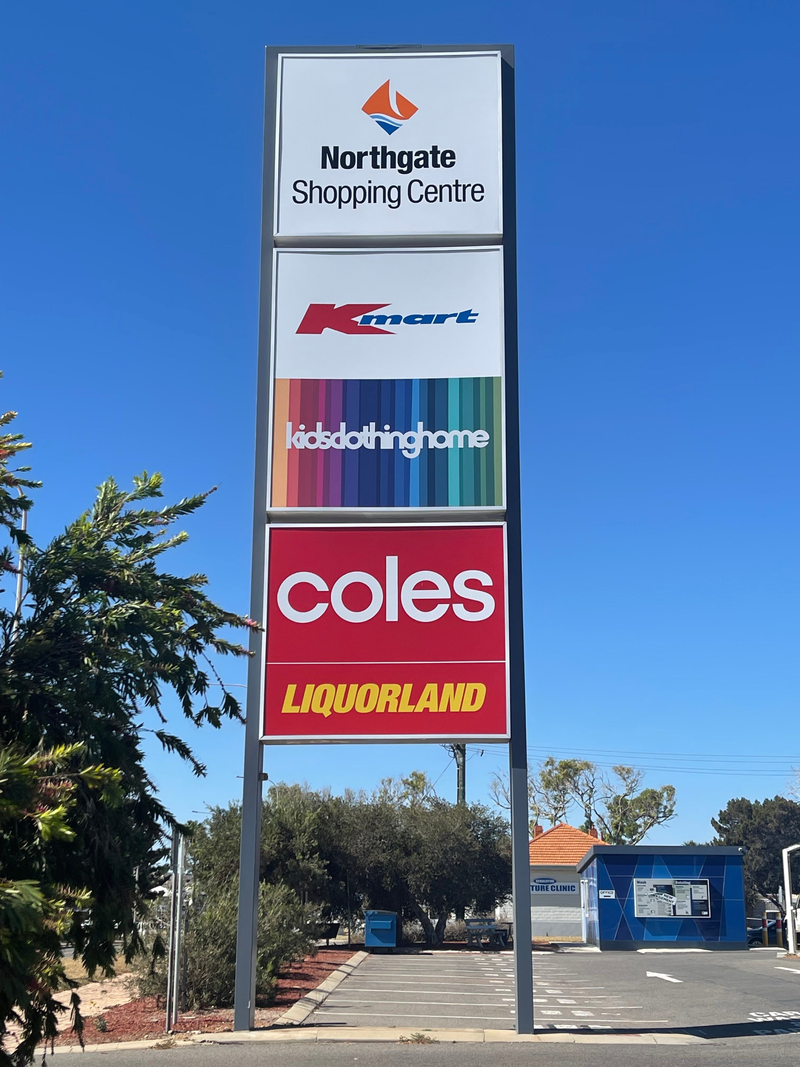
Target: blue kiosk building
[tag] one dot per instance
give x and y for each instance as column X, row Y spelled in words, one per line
column 640, row 896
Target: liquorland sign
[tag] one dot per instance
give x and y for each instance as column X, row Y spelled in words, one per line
column 386, row 633
column 388, row 144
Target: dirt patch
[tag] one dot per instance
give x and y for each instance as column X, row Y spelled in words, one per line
column 75, row 971
column 142, row 1019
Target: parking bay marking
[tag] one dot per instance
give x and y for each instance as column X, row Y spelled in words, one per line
column 664, row 977
column 505, row 988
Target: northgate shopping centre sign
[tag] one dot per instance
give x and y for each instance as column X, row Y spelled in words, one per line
column 386, row 563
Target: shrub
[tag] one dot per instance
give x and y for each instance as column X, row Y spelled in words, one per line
column 287, row 931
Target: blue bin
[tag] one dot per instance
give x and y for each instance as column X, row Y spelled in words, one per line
column 381, row 929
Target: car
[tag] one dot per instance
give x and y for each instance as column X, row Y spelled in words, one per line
column 755, row 935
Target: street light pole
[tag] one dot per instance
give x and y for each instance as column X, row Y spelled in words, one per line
column 18, row 598
column 791, row 930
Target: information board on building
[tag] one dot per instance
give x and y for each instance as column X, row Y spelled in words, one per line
column 657, row 898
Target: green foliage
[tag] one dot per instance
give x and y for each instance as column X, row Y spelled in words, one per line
column 105, row 642
column 400, row 848
column 764, row 828
column 37, row 795
column 287, row 931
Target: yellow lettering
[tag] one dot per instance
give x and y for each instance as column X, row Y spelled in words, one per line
column 404, row 704
column 344, row 704
column 474, row 696
column 323, row 699
column 367, row 697
column 452, row 696
column 387, row 700
column 309, row 689
column 289, row 707
column 429, row 701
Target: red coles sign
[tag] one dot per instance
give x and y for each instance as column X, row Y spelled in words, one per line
column 386, row 634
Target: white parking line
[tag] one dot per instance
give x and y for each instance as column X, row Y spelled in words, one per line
column 433, row 992
column 417, row 1003
column 400, row 1015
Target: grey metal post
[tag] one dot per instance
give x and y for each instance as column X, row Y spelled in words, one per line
column 173, row 907
column 20, row 579
column 177, row 944
column 788, row 897
column 244, row 1004
column 518, row 748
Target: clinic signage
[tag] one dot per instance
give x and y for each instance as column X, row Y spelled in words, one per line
column 388, row 379
column 540, row 886
column 388, row 144
column 377, row 633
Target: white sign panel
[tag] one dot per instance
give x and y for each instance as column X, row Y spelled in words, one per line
column 659, row 898
column 389, row 144
column 400, row 314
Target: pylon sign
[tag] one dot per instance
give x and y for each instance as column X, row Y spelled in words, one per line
column 386, row 546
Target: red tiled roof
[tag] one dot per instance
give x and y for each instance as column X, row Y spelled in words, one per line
column 561, row 845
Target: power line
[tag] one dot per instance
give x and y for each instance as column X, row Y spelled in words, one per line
column 715, row 758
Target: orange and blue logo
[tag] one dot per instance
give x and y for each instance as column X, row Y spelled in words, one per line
column 389, row 114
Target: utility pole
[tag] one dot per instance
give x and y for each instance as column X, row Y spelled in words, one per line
column 460, row 755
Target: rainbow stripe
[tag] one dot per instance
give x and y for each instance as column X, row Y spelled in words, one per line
column 384, row 477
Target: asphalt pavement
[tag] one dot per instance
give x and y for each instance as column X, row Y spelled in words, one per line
column 774, row 1051
column 708, row 994
column 723, row 1009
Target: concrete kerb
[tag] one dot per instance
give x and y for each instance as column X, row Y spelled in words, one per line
column 299, row 1012
column 391, row 1035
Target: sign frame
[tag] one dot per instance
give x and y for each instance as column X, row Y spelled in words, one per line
column 395, row 52
column 352, row 513
column 457, row 738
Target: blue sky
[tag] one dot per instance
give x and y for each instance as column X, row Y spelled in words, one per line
column 658, row 235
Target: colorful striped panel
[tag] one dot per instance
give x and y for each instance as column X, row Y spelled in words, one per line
column 420, row 442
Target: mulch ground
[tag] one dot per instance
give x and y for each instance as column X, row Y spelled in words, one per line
column 143, row 1018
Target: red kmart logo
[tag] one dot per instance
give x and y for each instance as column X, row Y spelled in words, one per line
column 361, row 318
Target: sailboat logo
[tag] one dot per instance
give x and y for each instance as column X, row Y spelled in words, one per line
column 389, row 115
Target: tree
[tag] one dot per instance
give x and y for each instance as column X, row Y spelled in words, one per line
column 409, row 851
column 616, row 806
column 401, row 848
column 103, row 642
column 763, row 828
column 36, row 795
